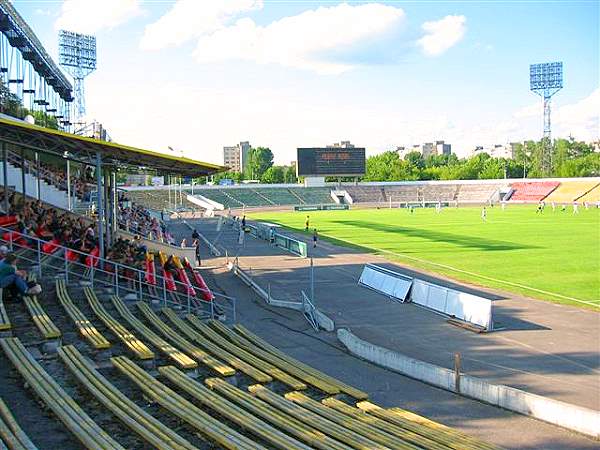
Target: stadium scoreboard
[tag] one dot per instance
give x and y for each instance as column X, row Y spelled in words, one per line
column 334, row 161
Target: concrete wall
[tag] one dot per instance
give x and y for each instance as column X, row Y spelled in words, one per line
column 576, row 418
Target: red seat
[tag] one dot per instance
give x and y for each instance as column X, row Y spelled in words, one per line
column 7, row 221
column 185, row 280
column 150, row 275
column 169, row 281
column 206, row 292
column 92, row 258
column 50, row 247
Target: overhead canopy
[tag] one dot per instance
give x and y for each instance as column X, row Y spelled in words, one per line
column 84, row 149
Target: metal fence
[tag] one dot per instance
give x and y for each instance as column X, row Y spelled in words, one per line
column 123, row 280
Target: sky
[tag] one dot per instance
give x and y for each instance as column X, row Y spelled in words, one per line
column 197, row 75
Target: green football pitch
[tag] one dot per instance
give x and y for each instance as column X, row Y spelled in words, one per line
column 553, row 256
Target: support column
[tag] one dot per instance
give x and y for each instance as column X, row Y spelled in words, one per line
column 39, row 178
column 24, row 188
column 115, row 202
column 69, row 202
column 100, row 203
column 5, row 176
column 108, row 205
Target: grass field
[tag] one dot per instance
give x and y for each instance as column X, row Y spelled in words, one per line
column 551, row 256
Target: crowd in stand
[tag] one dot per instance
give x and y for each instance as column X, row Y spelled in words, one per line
column 82, row 180
column 35, row 220
column 137, row 219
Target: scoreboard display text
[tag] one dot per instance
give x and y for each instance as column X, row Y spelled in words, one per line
column 348, row 162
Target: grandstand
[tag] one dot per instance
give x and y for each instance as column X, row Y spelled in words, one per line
column 570, row 191
column 372, row 194
column 84, row 315
column 593, row 196
column 532, row 191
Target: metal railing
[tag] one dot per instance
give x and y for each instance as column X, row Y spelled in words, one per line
column 123, row 280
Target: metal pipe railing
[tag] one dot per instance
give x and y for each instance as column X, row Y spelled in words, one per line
column 113, row 274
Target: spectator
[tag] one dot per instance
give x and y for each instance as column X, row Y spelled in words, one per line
column 3, row 252
column 14, row 279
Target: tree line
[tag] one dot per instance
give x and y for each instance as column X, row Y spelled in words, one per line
column 570, row 158
column 260, row 167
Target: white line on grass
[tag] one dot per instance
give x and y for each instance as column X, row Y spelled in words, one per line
column 445, row 266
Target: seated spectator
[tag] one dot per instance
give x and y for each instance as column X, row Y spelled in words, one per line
column 3, row 252
column 13, row 279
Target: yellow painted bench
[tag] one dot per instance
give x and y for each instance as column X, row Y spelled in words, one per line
column 312, row 380
column 150, row 429
column 229, row 410
column 425, row 427
column 369, row 430
column 175, row 355
column 261, row 343
column 54, row 397
column 214, row 349
column 190, row 349
column 135, row 345
column 342, row 434
column 291, row 425
column 5, row 324
column 86, row 329
column 10, row 431
column 273, row 371
column 207, row 425
column 41, row 320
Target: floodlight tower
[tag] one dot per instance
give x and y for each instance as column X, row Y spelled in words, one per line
column 546, row 80
column 77, row 54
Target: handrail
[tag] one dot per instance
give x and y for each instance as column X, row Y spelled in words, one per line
column 133, row 284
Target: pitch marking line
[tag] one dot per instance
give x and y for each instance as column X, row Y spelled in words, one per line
column 496, row 280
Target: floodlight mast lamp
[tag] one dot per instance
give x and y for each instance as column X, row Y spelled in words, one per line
column 77, row 54
column 546, row 80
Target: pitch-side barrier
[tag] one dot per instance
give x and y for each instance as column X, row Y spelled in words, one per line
column 451, row 302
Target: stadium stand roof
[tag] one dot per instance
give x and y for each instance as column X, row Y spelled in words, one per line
column 20, row 35
column 84, row 149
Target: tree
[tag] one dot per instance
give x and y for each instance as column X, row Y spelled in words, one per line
column 259, row 160
column 289, row 174
column 272, row 175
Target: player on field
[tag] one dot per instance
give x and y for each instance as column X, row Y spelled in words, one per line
column 307, row 223
column 575, row 208
column 484, row 214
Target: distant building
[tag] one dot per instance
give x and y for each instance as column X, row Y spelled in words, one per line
column 342, row 144
column 506, row 151
column 244, row 154
column 442, row 148
column 236, row 157
column 426, row 149
column 231, row 158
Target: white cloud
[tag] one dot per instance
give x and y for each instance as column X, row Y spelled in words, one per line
column 440, row 35
column 91, row 16
column 189, row 19
column 581, row 119
column 301, row 41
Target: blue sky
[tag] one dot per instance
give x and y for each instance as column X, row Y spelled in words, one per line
column 198, row 75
